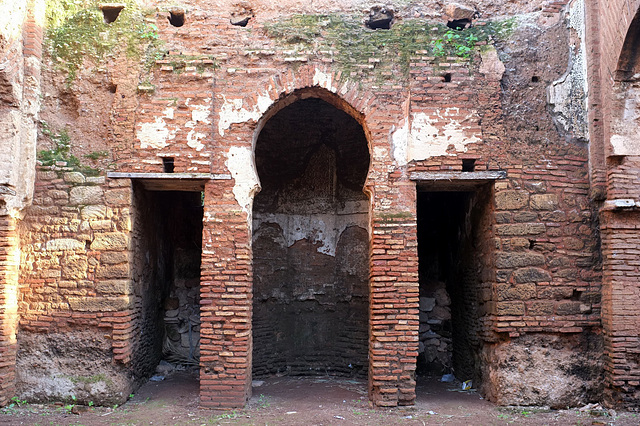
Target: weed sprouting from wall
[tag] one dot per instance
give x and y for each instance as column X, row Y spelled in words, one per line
column 77, row 34
column 61, row 151
column 356, row 48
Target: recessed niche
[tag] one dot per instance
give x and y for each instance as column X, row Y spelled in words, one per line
column 176, row 17
column 111, row 11
column 240, row 19
column 459, row 24
column 379, row 19
column 469, row 165
column 168, row 165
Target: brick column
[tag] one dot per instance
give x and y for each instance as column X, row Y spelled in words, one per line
column 393, row 345
column 226, row 294
column 620, row 315
column 9, row 264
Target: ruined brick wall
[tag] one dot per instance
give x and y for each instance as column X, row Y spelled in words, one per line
column 533, row 272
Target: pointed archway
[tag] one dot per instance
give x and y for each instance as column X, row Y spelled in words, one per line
column 311, row 241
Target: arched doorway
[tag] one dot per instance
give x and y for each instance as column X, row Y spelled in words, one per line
column 311, row 243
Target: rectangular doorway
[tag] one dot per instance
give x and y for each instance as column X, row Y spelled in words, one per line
column 454, row 236
column 167, row 247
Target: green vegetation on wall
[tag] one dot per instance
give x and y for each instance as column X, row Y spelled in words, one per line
column 61, row 151
column 77, row 32
column 354, row 46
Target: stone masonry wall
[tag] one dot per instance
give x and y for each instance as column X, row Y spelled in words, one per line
column 75, row 289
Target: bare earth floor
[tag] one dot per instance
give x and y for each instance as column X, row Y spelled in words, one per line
column 307, row 401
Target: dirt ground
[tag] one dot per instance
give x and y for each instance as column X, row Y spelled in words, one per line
column 306, row 401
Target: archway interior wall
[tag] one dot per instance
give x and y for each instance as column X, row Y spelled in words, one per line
column 310, row 243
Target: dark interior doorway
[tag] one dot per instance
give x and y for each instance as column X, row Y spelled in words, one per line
column 167, row 249
column 311, row 244
column 451, row 236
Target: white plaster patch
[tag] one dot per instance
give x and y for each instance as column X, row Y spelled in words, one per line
column 322, row 229
column 400, row 142
column 200, row 113
column 422, row 139
column 243, row 170
column 380, row 153
column 232, row 111
column 323, row 80
column 193, row 140
column 168, row 113
column 569, row 95
column 154, row 135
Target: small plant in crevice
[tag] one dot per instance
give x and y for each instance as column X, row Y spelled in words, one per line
column 386, row 54
column 97, row 155
column 61, row 151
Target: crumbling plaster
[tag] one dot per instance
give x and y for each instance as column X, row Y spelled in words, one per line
column 19, row 105
column 568, row 96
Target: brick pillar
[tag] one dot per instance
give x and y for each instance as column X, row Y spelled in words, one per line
column 9, row 264
column 393, row 345
column 620, row 315
column 226, row 294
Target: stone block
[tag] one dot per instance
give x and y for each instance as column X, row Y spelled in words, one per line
column 511, row 200
column 510, row 308
column 118, row 197
column 519, row 260
column 84, row 195
column 93, row 212
column 73, row 177
column 74, row 267
column 543, row 307
column 109, row 241
column 441, row 313
column 568, row 307
column 427, row 304
column 544, row 202
column 442, row 297
column 114, row 257
column 99, row 304
column 456, row 11
column 508, row 292
column 573, row 243
column 122, row 287
column 521, row 229
column 531, row 275
column 97, row 180
column 62, row 244
column 113, row 271
column 523, row 217
column 555, row 293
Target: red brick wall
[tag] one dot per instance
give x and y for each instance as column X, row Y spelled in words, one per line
column 610, row 20
column 8, row 306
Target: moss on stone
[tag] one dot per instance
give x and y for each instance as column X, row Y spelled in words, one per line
column 384, row 53
column 76, row 33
